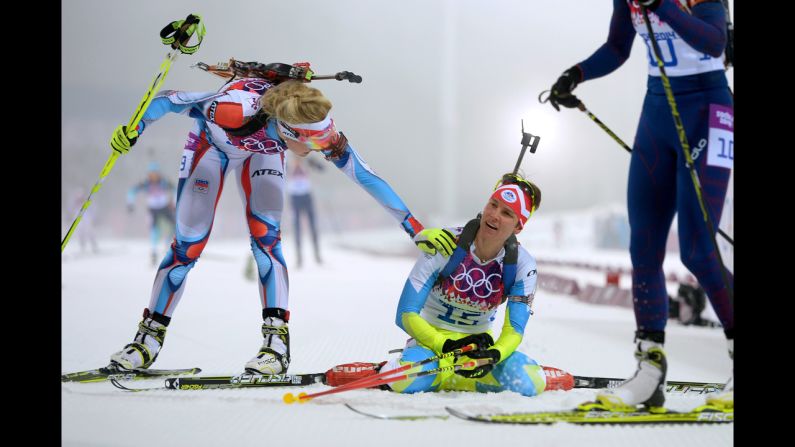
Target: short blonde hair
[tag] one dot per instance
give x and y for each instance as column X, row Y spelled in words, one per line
column 296, row 103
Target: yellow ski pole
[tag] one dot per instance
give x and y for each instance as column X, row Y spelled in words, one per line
column 176, row 34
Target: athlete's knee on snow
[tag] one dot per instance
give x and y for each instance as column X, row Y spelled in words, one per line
column 416, row 384
column 521, row 374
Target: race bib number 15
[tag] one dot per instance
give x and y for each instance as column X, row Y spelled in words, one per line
column 721, row 136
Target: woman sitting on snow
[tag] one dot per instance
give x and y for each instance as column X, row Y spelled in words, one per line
column 449, row 304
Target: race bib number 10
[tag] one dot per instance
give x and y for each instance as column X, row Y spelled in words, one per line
column 721, row 136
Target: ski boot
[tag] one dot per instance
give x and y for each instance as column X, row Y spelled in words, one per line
column 557, row 379
column 274, row 355
column 350, row 372
column 148, row 341
column 646, row 387
column 724, row 399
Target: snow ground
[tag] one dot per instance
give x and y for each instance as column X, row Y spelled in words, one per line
column 342, row 311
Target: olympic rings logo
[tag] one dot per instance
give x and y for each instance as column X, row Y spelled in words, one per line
column 479, row 286
column 257, row 85
column 266, row 146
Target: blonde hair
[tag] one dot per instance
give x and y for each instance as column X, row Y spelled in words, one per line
column 296, row 103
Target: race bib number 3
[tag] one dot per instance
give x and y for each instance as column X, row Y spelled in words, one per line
column 185, row 163
column 721, row 136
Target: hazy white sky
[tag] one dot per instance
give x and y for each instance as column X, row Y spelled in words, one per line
column 446, row 83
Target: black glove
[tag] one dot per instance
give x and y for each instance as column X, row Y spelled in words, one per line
column 482, row 340
column 560, row 93
column 651, row 5
column 480, row 371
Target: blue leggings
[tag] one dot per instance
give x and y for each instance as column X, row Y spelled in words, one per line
column 517, row 373
column 660, row 186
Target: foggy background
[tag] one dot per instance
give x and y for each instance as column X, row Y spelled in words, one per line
column 446, row 83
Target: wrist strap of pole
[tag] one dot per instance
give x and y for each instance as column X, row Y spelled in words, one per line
column 177, row 33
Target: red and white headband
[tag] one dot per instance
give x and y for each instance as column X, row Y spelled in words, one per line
column 516, row 199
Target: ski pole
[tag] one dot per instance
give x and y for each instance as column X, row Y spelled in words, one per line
column 453, row 353
column 680, row 130
column 289, row 398
column 176, row 34
column 593, row 117
column 581, row 107
column 599, row 122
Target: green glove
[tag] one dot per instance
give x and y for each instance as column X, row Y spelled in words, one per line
column 433, row 240
column 121, row 141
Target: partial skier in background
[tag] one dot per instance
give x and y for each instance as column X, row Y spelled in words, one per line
column 447, row 304
column 244, row 128
column 692, row 35
column 160, row 203
column 299, row 189
column 86, row 232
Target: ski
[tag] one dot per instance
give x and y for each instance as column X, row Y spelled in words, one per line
column 671, row 386
column 118, row 385
column 230, row 382
column 398, row 417
column 108, row 373
column 244, row 381
column 572, row 417
column 600, row 417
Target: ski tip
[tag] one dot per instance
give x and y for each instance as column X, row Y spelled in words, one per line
column 355, row 410
column 418, row 417
column 118, row 385
column 458, row 413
